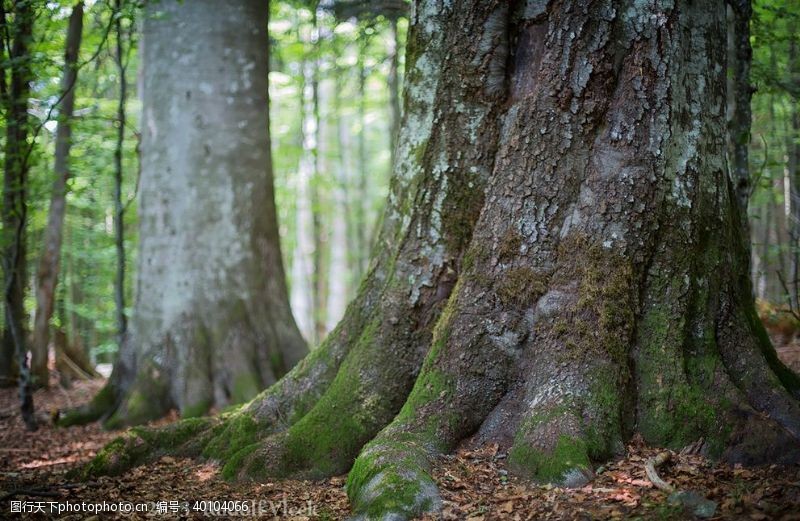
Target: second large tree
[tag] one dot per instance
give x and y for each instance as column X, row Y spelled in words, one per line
column 212, row 323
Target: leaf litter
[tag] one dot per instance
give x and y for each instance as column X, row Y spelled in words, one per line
column 475, row 485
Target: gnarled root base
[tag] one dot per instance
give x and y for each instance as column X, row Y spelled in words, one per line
column 560, row 398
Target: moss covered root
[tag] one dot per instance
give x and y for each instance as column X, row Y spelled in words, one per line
column 144, row 444
column 391, row 481
column 567, row 463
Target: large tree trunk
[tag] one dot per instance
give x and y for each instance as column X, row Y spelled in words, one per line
column 47, row 272
column 211, row 324
column 602, row 290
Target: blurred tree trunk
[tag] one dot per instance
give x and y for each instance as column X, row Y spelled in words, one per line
column 394, row 86
column 47, row 272
column 304, row 258
column 119, row 207
column 739, row 93
column 318, row 205
column 793, row 167
column 74, row 297
column 16, row 91
column 211, row 324
column 761, row 275
column 338, row 284
column 360, row 214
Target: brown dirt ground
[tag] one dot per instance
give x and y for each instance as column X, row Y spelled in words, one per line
column 474, row 484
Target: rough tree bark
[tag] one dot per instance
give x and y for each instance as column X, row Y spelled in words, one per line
column 211, row 324
column 598, row 287
column 47, row 271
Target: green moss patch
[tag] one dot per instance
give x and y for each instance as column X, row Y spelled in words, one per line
column 568, row 454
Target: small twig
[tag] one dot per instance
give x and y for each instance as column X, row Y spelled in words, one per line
column 650, row 469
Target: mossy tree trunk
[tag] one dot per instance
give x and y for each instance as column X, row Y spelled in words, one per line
column 560, row 265
column 212, row 323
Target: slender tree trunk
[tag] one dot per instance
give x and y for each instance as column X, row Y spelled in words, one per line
column 761, row 278
column 8, row 359
column 394, row 87
column 303, row 294
column 47, row 272
column 793, row 167
column 360, row 217
column 773, row 226
column 75, row 292
column 14, row 212
column 739, row 93
column 119, row 207
column 338, row 285
column 211, row 323
column 317, row 203
column 561, row 264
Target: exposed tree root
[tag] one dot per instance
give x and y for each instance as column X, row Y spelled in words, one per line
column 392, row 480
column 141, row 445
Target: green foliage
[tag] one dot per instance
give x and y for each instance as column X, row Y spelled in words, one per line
column 775, row 142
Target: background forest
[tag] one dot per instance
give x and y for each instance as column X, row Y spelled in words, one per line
column 335, row 104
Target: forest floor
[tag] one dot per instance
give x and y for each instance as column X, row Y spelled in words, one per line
column 474, row 484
